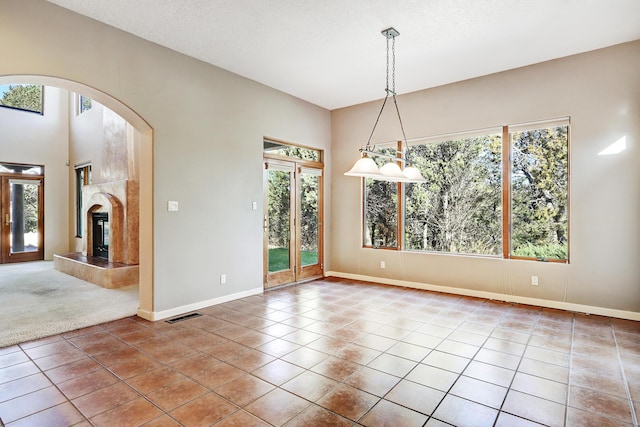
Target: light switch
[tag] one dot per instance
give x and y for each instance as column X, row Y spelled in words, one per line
column 172, row 206
column 254, row 206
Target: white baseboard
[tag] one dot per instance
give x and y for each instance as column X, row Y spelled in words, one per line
column 561, row 305
column 172, row 312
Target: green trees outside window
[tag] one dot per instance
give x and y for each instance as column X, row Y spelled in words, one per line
column 381, row 209
column 459, row 209
column 22, row 97
column 539, row 193
column 84, row 104
column 309, row 217
column 279, row 214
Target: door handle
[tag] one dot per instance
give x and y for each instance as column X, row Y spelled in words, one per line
column 6, row 219
column 265, row 224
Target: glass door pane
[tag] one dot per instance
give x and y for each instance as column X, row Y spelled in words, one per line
column 22, row 219
column 23, row 196
column 309, row 189
column 278, row 222
column 309, row 230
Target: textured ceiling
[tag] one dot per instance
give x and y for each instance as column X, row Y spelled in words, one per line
column 331, row 52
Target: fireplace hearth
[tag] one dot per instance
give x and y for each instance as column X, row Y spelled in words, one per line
column 109, row 256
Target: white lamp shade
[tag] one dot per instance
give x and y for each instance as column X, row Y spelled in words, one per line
column 364, row 167
column 392, row 172
column 413, row 174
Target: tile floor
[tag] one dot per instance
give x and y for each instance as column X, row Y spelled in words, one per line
column 333, row 353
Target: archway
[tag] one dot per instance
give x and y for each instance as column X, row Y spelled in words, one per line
column 145, row 134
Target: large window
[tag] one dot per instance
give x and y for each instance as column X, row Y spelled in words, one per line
column 539, row 192
column 22, row 97
column 497, row 192
column 459, row 208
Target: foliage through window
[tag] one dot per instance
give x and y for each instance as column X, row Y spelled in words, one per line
column 279, row 214
column 309, row 215
column 459, row 209
column 381, row 209
column 22, row 97
column 291, row 151
column 539, row 193
column 84, row 104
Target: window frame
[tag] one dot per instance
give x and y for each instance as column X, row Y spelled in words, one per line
column 485, row 132
column 508, row 130
column 81, row 171
column 506, row 190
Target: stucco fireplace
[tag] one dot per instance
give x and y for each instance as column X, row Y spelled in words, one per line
column 110, row 236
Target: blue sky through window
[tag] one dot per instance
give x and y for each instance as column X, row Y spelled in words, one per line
column 4, row 89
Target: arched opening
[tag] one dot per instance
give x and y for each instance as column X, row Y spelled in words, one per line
column 144, row 136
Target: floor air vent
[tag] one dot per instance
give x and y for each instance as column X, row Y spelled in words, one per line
column 185, row 317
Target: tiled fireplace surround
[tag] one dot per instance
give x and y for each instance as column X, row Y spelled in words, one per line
column 120, row 200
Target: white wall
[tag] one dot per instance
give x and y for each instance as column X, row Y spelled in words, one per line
column 600, row 91
column 43, row 140
column 208, row 126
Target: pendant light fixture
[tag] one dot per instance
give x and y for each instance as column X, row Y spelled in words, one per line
column 392, row 171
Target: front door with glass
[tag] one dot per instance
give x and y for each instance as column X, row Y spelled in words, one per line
column 21, row 206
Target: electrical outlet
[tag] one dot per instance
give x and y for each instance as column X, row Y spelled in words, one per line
column 223, row 279
column 382, row 264
column 534, row 280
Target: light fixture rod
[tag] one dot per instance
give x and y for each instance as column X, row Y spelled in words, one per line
column 386, row 156
column 391, row 34
column 366, row 167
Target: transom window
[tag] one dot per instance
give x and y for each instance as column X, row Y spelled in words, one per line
column 290, row 151
column 498, row 192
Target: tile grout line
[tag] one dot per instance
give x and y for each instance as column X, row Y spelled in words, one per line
column 634, row 419
column 53, row 384
column 526, row 345
column 430, row 416
column 103, row 366
column 92, row 357
column 446, row 393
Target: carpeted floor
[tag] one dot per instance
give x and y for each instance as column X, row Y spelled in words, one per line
column 37, row 301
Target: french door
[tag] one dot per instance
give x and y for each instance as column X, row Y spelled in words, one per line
column 293, row 244
column 21, row 207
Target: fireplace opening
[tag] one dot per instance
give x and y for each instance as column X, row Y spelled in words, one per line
column 100, row 222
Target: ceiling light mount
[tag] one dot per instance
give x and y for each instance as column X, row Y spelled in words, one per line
column 390, row 33
column 392, row 171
